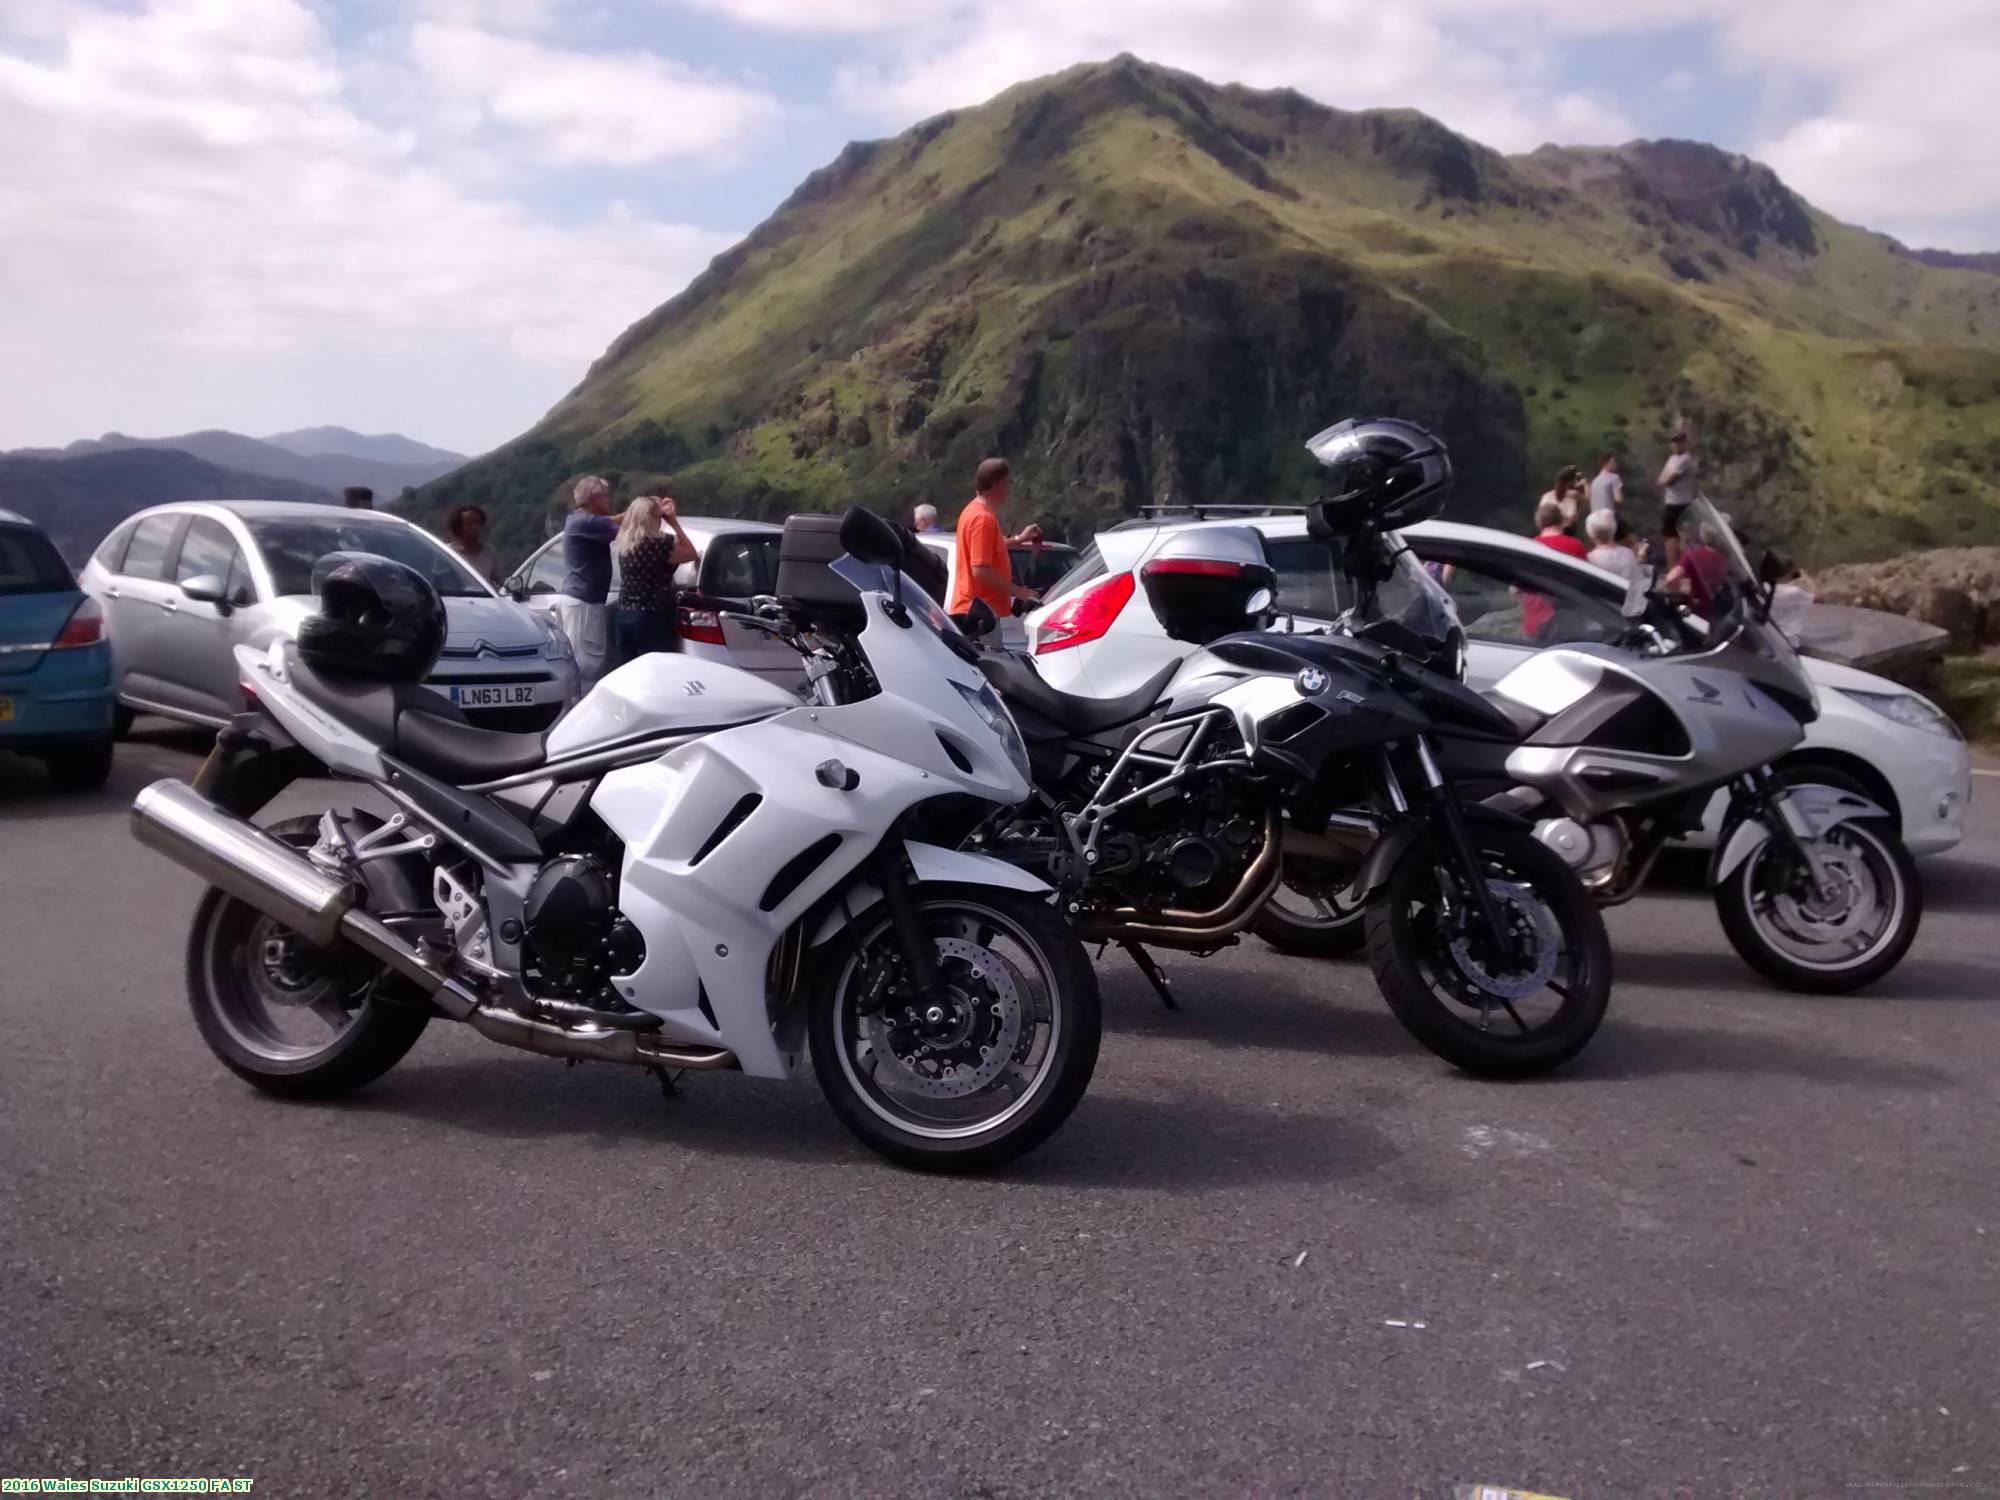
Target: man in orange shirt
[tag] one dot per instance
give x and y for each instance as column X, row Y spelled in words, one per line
column 981, row 567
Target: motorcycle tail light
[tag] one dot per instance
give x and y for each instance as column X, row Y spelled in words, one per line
column 1084, row 616
column 84, row 627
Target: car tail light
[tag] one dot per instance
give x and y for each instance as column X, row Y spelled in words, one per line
column 701, row 622
column 1084, row 616
column 84, row 627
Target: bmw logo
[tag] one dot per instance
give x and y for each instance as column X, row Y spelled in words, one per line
column 1311, row 681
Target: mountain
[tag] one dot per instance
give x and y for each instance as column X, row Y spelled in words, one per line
column 1137, row 285
column 78, row 500
column 381, row 447
column 331, row 469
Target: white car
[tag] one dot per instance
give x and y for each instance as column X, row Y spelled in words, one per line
column 1095, row 634
column 1039, row 568
column 735, row 562
column 182, row 585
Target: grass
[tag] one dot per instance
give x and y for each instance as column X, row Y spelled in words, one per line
column 1969, row 690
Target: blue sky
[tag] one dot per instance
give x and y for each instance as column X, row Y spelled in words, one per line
column 430, row 215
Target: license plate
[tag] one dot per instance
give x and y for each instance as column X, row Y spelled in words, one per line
column 501, row 695
column 6, row 709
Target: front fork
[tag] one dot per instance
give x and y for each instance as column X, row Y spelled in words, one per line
column 1760, row 788
column 1447, row 816
column 892, row 875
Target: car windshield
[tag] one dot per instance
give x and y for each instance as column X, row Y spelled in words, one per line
column 292, row 547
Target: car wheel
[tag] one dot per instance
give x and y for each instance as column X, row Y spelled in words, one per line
column 81, row 768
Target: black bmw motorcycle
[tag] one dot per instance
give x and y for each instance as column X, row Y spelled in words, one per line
column 1165, row 817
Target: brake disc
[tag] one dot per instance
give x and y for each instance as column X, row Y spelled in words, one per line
column 969, row 1047
column 1530, row 924
column 1812, row 918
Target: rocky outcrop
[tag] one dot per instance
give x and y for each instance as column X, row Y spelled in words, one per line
column 1954, row 589
column 1892, row 646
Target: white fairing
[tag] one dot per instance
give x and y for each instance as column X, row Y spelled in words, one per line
column 710, row 924
column 340, row 749
column 1551, row 681
column 666, row 693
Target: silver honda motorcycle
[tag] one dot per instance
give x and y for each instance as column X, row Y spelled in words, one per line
column 1618, row 750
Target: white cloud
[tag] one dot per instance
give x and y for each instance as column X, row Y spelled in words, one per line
column 1350, row 53
column 188, row 186
column 567, row 107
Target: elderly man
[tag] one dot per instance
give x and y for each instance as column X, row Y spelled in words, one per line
column 924, row 518
column 580, row 608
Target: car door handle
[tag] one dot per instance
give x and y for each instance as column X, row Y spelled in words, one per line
column 167, row 606
column 112, row 593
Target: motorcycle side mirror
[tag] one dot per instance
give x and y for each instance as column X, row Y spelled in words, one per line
column 1772, row 569
column 980, row 619
column 866, row 537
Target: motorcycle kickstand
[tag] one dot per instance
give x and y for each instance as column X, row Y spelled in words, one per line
column 668, row 1090
column 1153, row 974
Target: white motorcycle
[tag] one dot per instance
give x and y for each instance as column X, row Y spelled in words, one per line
column 691, row 870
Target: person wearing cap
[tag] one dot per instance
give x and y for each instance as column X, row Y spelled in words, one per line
column 1677, row 486
column 580, row 608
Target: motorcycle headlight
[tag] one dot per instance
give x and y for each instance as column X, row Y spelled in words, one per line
column 986, row 703
column 555, row 647
column 1911, row 709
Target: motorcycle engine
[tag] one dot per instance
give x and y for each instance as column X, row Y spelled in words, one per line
column 575, row 939
column 1182, row 850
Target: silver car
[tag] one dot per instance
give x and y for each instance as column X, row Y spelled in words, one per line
column 735, row 562
column 181, row 585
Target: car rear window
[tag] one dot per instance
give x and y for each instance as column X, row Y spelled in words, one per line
column 1089, row 564
column 740, row 566
column 1040, row 567
column 293, row 546
column 30, row 564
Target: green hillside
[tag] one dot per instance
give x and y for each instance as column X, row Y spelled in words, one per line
column 1138, row 285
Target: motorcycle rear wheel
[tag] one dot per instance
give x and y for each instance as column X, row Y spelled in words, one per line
column 284, row 1016
column 1312, row 914
column 997, row 1071
column 1420, row 947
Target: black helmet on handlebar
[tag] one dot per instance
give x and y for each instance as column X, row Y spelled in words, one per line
column 1381, row 472
column 378, row 621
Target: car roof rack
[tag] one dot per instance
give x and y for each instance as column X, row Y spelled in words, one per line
column 1153, row 515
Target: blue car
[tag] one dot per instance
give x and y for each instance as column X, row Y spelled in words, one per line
column 56, row 700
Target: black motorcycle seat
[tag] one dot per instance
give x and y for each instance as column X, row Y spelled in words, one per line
column 1017, row 681
column 418, row 725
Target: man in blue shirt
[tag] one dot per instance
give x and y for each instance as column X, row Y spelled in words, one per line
column 580, row 608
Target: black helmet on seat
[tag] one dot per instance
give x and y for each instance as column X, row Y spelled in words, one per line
column 1381, row 472
column 379, row 620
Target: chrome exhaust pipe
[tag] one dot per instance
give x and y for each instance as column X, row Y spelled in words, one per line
column 243, row 861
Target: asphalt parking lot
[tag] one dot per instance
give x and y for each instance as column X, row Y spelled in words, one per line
column 1747, row 1244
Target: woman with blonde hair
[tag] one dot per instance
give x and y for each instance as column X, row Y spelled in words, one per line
column 647, row 557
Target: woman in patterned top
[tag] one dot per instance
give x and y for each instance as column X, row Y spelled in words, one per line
column 647, row 557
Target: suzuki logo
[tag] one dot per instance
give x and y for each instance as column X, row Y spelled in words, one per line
column 693, row 689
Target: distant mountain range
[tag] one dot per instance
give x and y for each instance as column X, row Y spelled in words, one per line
column 80, row 492
column 78, row 500
column 1138, row 286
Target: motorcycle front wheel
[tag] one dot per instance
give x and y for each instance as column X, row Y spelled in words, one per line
column 1825, row 942
column 1524, row 1010
column 1315, row 910
column 977, row 1073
